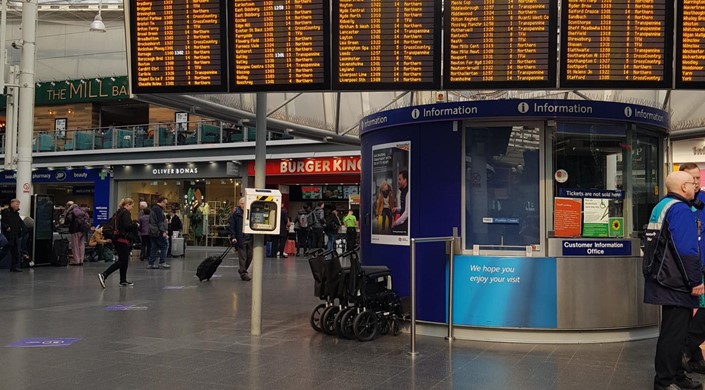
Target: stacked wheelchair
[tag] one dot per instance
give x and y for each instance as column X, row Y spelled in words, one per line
column 358, row 300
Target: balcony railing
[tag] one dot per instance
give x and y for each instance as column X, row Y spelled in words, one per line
column 143, row 136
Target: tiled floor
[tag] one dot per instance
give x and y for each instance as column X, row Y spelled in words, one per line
column 189, row 335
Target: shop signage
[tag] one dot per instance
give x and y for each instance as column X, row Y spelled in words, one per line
column 56, row 176
column 311, row 166
column 596, row 248
column 170, row 171
column 529, row 109
column 79, row 91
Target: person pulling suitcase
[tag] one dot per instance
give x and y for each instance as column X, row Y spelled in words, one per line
column 241, row 241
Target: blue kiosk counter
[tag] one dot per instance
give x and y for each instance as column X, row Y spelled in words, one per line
column 548, row 198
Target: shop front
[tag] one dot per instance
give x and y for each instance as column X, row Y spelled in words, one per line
column 331, row 180
column 202, row 194
column 89, row 188
column 548, row 198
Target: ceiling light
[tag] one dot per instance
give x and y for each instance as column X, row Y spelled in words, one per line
column 98, row 24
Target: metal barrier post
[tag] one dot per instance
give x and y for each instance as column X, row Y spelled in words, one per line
column 413, row 352
column 450, row 337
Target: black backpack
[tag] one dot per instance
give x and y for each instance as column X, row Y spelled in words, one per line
column 110, row 229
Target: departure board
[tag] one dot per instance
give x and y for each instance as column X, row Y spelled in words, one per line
column 690, row 44
column 616, row 44
column 500, row 44
column 386, row 44
column 280, row 45
column 177, row 46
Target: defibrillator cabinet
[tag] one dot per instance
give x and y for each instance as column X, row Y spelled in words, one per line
column 262, row 211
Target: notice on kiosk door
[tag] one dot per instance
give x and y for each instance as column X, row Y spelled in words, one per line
column 507, row 292
column 596, row 217
column 566, row 217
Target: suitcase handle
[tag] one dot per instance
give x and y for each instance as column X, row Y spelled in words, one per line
column 227, row 250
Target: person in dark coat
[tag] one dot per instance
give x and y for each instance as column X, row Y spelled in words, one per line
column 127, row 231
column 241, row 241
column 13, row 228
column 675, row 279
column 158, row 232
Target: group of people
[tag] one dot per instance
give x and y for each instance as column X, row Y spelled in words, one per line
column 314, row 225
column 674, row 260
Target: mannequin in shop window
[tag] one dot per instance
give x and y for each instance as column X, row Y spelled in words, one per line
column 196, row 220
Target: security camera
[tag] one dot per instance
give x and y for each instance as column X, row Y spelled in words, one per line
column 17, row 44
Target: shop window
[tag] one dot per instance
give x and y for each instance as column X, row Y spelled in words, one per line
column 502, row 188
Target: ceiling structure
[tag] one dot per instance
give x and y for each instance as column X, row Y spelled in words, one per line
column 67, row 50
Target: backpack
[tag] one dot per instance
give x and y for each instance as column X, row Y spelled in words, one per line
column 655, row 242
column 303, row 220
column 80, row 220
column 110, row 229
column 332, row 224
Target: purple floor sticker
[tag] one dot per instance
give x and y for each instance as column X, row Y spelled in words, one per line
column 178, row 287
column 40, row 342
column 216, row 276
column 125, row 307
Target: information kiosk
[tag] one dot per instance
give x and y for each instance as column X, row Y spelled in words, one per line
column 549, row 198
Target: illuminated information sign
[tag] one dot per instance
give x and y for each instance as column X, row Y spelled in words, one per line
column 500, row 43
column 690, row 44
column 280, row 45
column 177, row 46
column 616, row 44
column 386, row 44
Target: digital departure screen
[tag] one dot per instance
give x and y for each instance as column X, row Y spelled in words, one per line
column 386, row 44
column 616, row 44
column 280, row 45
column 177, row 46
column 690, row 45
column 500, row 44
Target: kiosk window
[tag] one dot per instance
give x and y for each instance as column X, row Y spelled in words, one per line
column 605, row 164
column 502, row 187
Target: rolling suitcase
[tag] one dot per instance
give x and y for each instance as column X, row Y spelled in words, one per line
column 178, row 246
column 60, row 253
column 208, row 266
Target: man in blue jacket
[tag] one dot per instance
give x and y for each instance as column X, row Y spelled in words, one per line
column 673, row 278
column 693, row 357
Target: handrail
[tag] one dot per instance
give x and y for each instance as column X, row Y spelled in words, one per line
column 412, row 260
column 157, row 134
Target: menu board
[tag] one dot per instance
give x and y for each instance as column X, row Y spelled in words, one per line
column 500, row 44
column 616, row 44
column 279, row 45
column 386, row 45
column 177, row 46
column 690, row 45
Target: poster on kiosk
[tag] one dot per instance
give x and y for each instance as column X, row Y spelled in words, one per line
column 262, row 211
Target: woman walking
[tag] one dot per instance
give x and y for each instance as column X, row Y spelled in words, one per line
column 125, row 232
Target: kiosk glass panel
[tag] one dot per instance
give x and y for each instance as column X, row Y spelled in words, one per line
column 502, row 188
column 606, row 167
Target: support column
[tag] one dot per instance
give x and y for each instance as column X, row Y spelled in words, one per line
column 26, row 104
column 258, row 239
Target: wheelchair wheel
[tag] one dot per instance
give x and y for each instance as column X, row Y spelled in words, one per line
column 316, row 316
column 396, row 329
column 365, row 326
column 337, row 323
column 328, row 320
column 383, row 326
column 346, row 324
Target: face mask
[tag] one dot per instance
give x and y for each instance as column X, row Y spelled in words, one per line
column 385, row 193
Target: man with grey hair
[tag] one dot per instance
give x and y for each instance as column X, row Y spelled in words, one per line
column 241, row 241
column 673, row 277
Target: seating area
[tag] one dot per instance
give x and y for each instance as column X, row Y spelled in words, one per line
column 148, row 135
